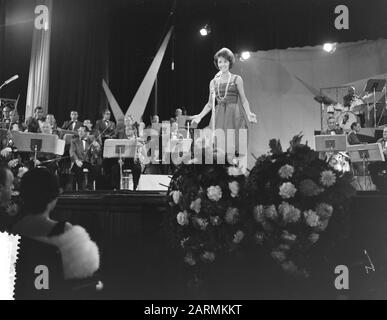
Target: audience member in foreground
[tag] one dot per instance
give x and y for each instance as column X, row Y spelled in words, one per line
column 80, row 255
column 6, row 186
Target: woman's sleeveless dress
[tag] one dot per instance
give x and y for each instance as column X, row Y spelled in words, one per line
column 228, row 114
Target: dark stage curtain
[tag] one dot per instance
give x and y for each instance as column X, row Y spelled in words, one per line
column 16, row 23
column 78, row 58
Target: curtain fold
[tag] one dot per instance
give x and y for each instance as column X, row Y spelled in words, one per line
column 38, row 80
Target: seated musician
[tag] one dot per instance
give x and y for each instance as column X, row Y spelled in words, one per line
column 178, row 113
column 353, row 134
column 35, row 123
column 378, row 170
column 333, row 128
column 132, row 164
column 106, row 127
column 351, row 100
column 81, row 150
column 52, row 121
column 383, row 142
column 6, row 147
column 73, row 124
column 92, row 131
column 6, row 119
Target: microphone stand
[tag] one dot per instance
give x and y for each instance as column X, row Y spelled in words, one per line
column 213, row 113
column 35, row 155
column 120, row 163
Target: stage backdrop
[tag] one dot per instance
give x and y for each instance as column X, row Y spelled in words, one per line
column 284, row 106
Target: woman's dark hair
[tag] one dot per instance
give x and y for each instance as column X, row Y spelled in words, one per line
column 38, row 188
column 226, row 54
column 353, row 125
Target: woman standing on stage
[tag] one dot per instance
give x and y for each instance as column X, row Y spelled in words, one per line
column 228, row 88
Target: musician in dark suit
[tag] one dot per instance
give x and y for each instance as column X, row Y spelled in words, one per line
column 92, row 132
column 6, row 119
column 34, row 123
column 353, row 134
column 73, row 124
column 383, row 142
column 333, row 128
column 81, row 157
column 106, row 127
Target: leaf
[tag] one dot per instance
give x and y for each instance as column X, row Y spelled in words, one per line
column 296, row 141
column 275, row 147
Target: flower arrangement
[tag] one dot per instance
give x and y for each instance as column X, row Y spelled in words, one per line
column 207, row 214
column 294, row 197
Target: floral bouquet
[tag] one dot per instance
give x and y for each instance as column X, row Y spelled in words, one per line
column 208, row 219
column 294, row 197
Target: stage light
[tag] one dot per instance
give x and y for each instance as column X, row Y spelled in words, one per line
column 205, row 31
column 246, row 55
column 330, row 47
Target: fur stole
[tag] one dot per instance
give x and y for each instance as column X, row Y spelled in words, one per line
column 80, row 255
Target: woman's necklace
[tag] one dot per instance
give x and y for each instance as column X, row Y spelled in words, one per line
column 228, row 84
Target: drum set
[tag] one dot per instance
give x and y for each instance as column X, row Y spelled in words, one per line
column 345, row 116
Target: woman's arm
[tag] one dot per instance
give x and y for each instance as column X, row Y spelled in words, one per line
column 207, row 108
column 245, row 103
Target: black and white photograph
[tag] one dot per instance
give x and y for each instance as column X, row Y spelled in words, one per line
column 193, row 155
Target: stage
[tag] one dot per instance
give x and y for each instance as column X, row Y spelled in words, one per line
column 138, row 261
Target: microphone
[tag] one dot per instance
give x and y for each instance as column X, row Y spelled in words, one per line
column 11, row 79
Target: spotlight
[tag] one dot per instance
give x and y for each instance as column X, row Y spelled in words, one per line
column 330, row 47
column 246, row 55
column 205, row 31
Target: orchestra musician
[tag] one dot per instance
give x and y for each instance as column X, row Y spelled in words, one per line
column 132, row 164
column 333, row 128
column 6, row 119
column 92, row 131
column 50, row 119
column 352, row 100
column 106, row 127
column 178, row 113
column 353, row 134
column 81, row 149
column 73, row 124
column 383, row 141
column 35, row 123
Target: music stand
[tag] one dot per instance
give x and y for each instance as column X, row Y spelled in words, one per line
column 366, row 153
column 121, row 149
column 373, row 86
column 63, row 133
column 68, row 138
column 38, row 142
column 331, row 143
